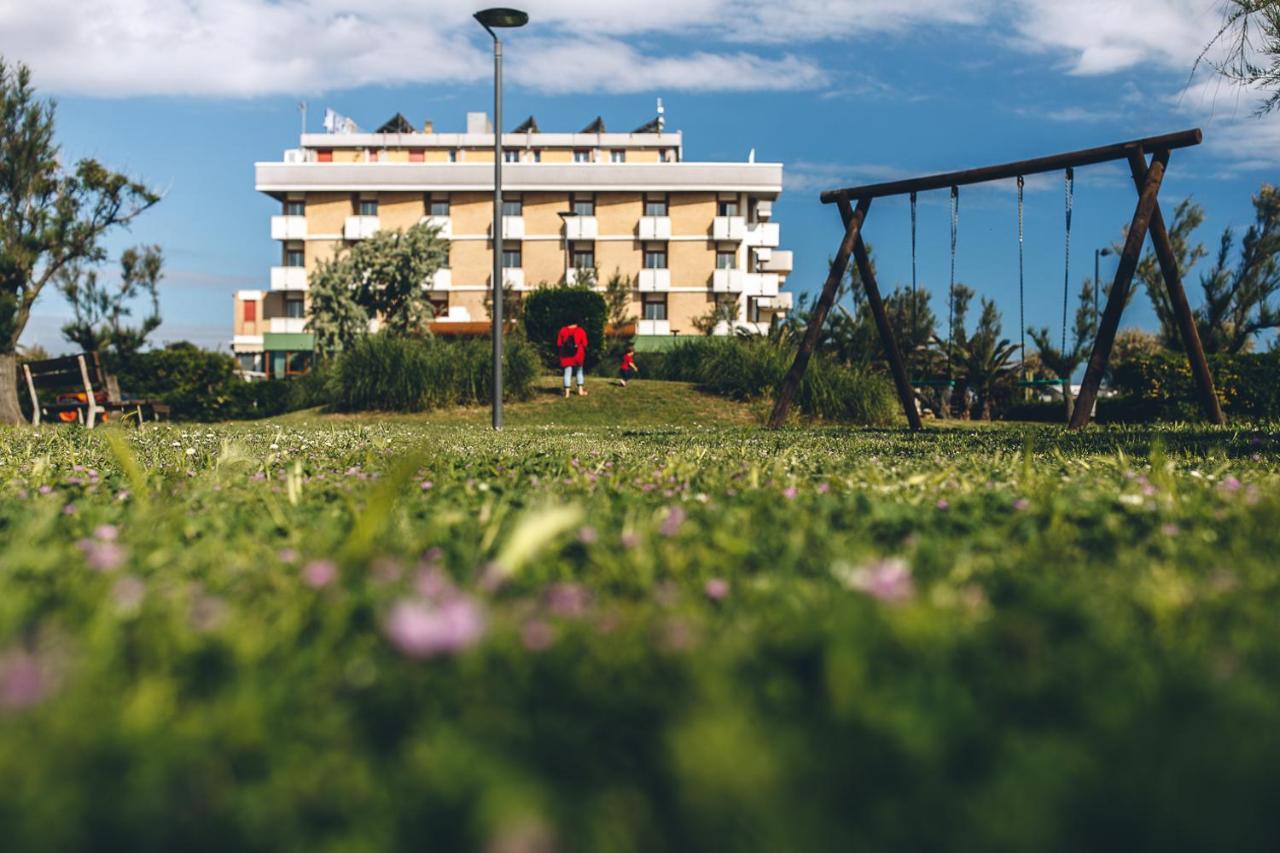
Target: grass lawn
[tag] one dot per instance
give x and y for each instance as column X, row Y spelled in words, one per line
column 632, row 633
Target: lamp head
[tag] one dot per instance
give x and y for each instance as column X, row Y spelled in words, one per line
column 1105, row 252
column 501, row 17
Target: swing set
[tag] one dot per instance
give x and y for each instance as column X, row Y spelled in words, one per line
column 854, row 203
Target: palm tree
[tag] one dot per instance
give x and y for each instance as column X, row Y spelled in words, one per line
column 1062, row 363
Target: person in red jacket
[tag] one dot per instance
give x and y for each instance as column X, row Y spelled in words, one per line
column 571, row 342
column 629, row 367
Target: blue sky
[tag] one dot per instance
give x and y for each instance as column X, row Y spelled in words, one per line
column 188, row 95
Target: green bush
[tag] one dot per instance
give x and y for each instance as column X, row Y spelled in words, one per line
column 385, row 373
column 548, row 309
column 197, row 384
column 1160, row 387
column 837, row 392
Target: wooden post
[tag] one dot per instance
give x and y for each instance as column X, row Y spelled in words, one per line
column 791, row 384
column 1110, row 322
column 35, row 401
column 1178, row 301
column 896, row 366
column 91, row 411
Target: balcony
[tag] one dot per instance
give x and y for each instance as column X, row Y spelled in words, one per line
column 442, row 280
column 727, row 281
column 288, row 278
column 513, row 277
column 732, row 228
column 512, row 228
column 443, row 223
column 287, row 325
column 654, row 280
column 580, row 228
column 760, row 284
column 288, row 228
column 779, row 262
column 574, row 275
column 655, row 227
column 360, row 227
column 653, row 327
column 763, row 234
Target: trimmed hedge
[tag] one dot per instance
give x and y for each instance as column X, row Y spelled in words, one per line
column 385, row 373
column 548, row 309
column 1160, row 387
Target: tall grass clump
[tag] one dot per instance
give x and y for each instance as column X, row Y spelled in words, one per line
column 837, row 392
column 386, row 373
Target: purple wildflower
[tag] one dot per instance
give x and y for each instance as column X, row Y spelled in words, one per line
column 419, row 630
column 287, row 555
column 674, row 520
column 1230, row 484
column 1021, row 504
column 45, row 489
column 426, row 485
column 587, row 535
column 884, row 580
column 128, row 594
column 943, row 504
column 789, row 493
column 823, row 488
column 716, row 589
column 318, row 574
column 102, row 556
column 629, row 540
column 536, row 635
column 24, row 681
column 567, row 599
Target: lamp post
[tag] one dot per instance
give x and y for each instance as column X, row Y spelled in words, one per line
column 490, row 19
column 1097, row 283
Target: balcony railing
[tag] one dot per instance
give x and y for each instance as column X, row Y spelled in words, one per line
column 762, row 234
column 580, row 228
column 287, row 325
column 727, row 281
column 288, row 278
column 444, row 223
column 360, row 227
column 442, row 280
column 760, row 284
column 513, row 277
column 288, row 227
column 655, row 227
column 654, row 280
column 512, row 228
column 732, row 228
column 653, row 327
column 779, row 262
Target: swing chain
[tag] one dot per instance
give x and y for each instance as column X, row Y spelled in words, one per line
column 1066, row 267
column 951, row 307
column 915, row 326
column 1022, row 299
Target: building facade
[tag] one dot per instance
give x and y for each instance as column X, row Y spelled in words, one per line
column 687, row 235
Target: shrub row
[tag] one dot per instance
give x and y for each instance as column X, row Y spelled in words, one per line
column 752, row 369
column 1160, row 387
column 383, row 373
column 548, row 309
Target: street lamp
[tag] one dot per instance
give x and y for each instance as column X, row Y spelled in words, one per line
column 1097, row 284
column 492, row 19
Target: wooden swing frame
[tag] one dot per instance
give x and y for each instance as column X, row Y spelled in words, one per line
column 854, row 203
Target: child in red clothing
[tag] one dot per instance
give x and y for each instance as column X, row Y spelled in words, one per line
column 571, row 343
column 629, row 367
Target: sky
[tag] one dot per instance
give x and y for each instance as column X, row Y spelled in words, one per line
column 188, row 94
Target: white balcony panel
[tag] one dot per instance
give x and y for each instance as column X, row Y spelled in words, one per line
column 763, row 234
column 512, row 228
column 653, row 327
column 287, row 325
column 782, row 302
column 764, row 208
column 727, row 281
column 733, row 228
column 441, row 280
column 655, row 227
column 247, row 343
column 511, row 278
column 760, row 284
column 762, row 253
column 360, row 227
column 654, row 280
column 288, row 228
column 288, row 278
column 444, row 223
column 580, row 227
column 778, row 262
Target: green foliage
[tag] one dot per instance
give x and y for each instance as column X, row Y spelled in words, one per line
column 383, row 277
column 389, row 373
column 1160, row 387
column 707, row 639
column 101, row 312
column 548, row 309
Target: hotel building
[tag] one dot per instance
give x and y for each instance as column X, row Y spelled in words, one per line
column 687, row 234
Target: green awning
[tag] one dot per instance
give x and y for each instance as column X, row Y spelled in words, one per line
column 659, row 343
column 288, row 341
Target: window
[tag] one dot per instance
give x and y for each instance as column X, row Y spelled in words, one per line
column 295, row 208
column 294, row 258
column 654, row 306
column 417, row 155
column 453, row 156
column 728, row 208
column 512, row 206
column 584, row 207
column 617, row 155
column 511, row 257
column 438, row 207
column 324, row 155
column 510, row 155
column 371, row 155
column 250, row 362
column 726, row 259
column 655, row 206
column 655, row 256
column 583, row 256
column 367, row 207
column 296, row 363
column 581, row 156
column 294, row 308
column 250, row 312
column 439, row 307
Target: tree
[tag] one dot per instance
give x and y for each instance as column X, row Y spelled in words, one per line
column 50, row 218
column 100, row 312
column 383, row 278
column 1187, row 217
column 724, row 309
column 1062, row 363
column 617, row 300
column 982, row 362
column 1250, row 34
